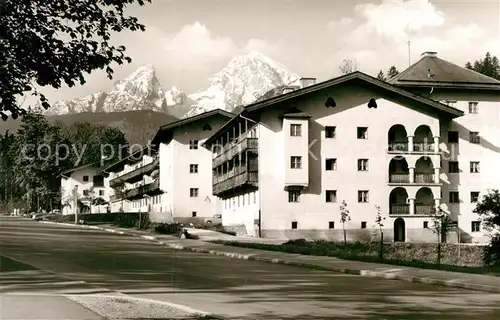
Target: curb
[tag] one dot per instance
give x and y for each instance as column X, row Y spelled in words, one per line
column 360, row 272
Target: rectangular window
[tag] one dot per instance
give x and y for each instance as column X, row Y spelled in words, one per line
column 363, row 196
column 293, row 196
column 101, row 192
column 98, row 181
column 331, row 195
column 426, row 224
column 473, row 107
column 363, row 224
column 475, row 226
column 454, row 198
column 295, row 130
column 452, row 136
column 362, row 133
column 362, row 164
column 85, row 178
column 474, row 166
column 450, row 103
column 193, row 214
column 331, row 225
column 193, row 168
column 331, row 164
column 453, row 167
column 193, row 192
column 296, row 162
column 330, row 132
column 85, row 192
column 474, row 196
column 193, row 144
column 294, row 224
column 474, row 137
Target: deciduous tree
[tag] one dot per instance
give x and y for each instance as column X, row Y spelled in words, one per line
column 51, row 42
column 488, row 210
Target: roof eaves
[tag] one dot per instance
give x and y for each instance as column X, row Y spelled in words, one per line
column 345, row 78
column 222, row 129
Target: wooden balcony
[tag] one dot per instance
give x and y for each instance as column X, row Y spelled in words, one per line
column 401, row 209
column 398, row 146
column 423, row 209
column 227, row 182
column 399, row 178
column 139, row 192
column 137, row 174
column 424, row 178
column 419, row 178
column 232, row 149
column 423, row 147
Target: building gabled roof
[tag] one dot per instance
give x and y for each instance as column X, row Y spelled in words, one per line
column 173, row 125
column 357, row 75
column 118, row 164
column 68, row 172
column 431, row 71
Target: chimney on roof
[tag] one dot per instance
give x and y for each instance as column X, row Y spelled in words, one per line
column 306, row 82
column 429, row 54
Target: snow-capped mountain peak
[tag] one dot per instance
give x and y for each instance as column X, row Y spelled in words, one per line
column 241, row 82
column 141, row 90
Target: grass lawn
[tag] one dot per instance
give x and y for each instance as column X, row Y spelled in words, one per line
column 356, row 252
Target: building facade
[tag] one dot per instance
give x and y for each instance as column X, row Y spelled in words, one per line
column 285, row 165
column 134, row 183
column 185, row 167
column 171, row 178
column 84, row 190
column 470, row 144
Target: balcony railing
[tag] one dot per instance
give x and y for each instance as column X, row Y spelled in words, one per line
column 399, row 178
column 423, row 147
column 137, row 173
column 235, row 181
column 421, row 178
column 424, row 178
column 141, row 190
column 398, row 146
column 400, row 209
column 423, row 209
column 232, row 149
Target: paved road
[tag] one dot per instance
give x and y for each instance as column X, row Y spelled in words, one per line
column 96, row 261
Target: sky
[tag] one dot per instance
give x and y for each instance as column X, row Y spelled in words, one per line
column 189, row 40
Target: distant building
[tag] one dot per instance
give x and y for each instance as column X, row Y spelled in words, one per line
column 84, row 190
column 172, row 178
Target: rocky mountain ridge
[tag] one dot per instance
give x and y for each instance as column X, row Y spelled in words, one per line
column 245, row 79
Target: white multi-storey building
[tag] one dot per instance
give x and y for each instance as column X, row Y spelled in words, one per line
column 171, row 178
column 283, row 166
column 84, row 190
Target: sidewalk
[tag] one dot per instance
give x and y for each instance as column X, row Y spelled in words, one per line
column 444, row 278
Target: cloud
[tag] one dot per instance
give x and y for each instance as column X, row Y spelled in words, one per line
column 195, row 47
column 263, row 46
column 381, row 33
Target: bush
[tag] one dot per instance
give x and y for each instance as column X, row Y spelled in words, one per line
column 492, row 256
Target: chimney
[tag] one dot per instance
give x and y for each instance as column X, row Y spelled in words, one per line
column 429, row 54
column 306, row 82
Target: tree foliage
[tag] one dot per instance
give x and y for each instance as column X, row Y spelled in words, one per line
column 381, row 75
column 51, row 42
column 39, row 152
column 344, row 218
column 489, row 66
column 348, row 65
column 488, row 210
